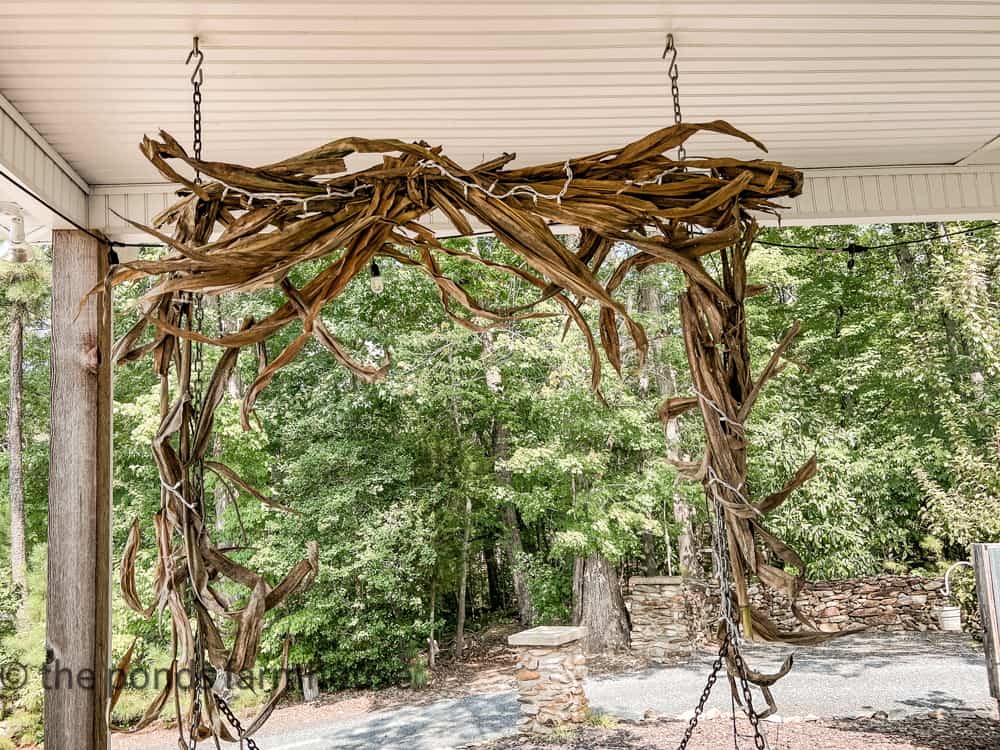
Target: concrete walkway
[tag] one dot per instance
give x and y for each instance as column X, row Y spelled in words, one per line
column 859, row 675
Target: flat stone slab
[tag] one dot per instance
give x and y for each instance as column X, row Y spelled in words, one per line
column 658, row 580
column 548, row 635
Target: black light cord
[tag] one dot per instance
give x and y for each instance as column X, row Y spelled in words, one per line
column 64, row 217
column 856, row 248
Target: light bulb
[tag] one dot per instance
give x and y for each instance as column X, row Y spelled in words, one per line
column 15, row 249
column 378, row 283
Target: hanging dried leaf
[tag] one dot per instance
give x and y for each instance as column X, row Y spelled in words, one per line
column 271, row 219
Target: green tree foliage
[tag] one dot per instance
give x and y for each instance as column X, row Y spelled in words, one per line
column 893, row 383
column 893, row 380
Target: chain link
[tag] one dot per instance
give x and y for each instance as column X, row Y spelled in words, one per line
column 195, row 729
column 675, row 90
column 759, row 741
column 197, row 79
column 712, row 679
column 234, row 722
column 197, row 393
column 730, row 648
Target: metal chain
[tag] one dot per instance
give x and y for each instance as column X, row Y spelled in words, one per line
column 712, row 679
column 195, row 718
column 195, row 729
column 197, row 393
column 197, row 305
column 759, row 740
column 197, row 79
column 234, row 722
column 675, row 90
column 730, row 647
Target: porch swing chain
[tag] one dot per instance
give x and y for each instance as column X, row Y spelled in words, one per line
column 675, row 90
column 197, row 78
column 729, row 650
column 197, row 321
column 199, row 678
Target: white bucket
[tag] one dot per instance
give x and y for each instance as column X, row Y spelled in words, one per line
column 950, row 619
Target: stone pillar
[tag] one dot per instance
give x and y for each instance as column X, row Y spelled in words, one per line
column 661, row 627
column 551, row 667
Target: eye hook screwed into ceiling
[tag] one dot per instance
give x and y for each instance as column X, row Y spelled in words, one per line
column 197, row 77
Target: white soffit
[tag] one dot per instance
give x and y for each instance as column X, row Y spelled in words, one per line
column 871, row 87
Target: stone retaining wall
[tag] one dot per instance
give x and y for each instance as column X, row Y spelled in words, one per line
column 661, row 618
column 883, row 603
column 668, row 616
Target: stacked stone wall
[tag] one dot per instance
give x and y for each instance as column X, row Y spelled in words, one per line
column 669, row 615
column 662, row 620
column 881, row 603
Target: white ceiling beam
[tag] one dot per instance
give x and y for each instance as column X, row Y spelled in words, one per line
column 35, row 174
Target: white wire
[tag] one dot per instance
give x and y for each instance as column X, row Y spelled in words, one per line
column 516, row 190
column 290, row 197
column 173, row 490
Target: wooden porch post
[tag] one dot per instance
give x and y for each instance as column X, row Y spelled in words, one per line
column 78, row 627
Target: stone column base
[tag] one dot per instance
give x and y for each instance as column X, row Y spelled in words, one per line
column 551, row 668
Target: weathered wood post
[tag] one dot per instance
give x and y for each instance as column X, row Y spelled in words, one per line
column 986, row 562
column 78, row 626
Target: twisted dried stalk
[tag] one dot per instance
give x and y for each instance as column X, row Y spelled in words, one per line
column 246, row 228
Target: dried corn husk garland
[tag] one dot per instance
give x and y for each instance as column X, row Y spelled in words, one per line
column 246, row 228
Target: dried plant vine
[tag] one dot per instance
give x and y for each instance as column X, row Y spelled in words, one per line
column 245, row 228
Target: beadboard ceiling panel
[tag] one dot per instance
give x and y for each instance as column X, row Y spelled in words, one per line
column 824, row 83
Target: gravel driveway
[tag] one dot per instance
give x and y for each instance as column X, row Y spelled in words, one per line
column 901, row 675
column 858, row 675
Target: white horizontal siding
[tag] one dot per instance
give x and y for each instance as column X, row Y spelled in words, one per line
column 26, row 158
column 897, row 194
column 829, row 197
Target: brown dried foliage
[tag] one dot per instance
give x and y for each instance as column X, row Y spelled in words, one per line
column 246, row 228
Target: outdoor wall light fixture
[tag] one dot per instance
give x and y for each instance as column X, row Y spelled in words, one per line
column 378, row 283
column 15, row 248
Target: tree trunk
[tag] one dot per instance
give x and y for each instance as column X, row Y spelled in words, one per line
column 599, row 606
column 513, row 544
column 649, row 565
column 18, row 552
column 463, row 577
column 515, row 550
column 493, row 577
column 666, row 385
column 431, row 640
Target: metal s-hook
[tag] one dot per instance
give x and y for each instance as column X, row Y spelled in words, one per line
column 197, row 77
column 673, row 73
column 671, row 47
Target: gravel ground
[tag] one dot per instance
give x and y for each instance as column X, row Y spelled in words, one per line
column 844, row 678
column 904, row 676
column 915, row 733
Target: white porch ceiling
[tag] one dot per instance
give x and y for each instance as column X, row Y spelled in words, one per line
column 905, row 95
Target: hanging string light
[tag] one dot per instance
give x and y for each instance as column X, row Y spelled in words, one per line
column 15, row 249
column 377, row 281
